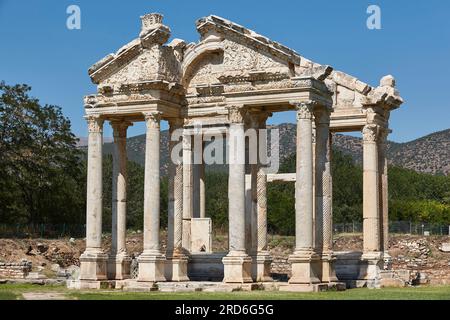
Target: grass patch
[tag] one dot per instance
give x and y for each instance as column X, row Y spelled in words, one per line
column 423, row 293
column 8, row 295
column 15, row 291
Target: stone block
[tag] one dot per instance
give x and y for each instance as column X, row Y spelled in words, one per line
column 445, row 247
column 237, row 269
column 151, row 268
column 201, row 235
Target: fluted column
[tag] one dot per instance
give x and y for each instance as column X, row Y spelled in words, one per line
column 176, row 266
column 237, row 264
column 372, row 255
column 323, row 196
column 151, row 261
column 384, row 201
column 93, row 260
column 304, row 261
column 119, row 260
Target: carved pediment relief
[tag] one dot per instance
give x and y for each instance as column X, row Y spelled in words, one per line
column 229, row 58
column 143, row 59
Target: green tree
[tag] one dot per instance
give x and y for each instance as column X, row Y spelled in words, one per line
column 39, row 161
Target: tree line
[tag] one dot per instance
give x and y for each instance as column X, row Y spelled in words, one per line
column 43, row 178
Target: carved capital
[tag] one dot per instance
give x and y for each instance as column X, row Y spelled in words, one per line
column 152, row 119
column 95, row 124
column 236, row 114
column 120, row 128
column 322, row 116
column 304, row 109
column 370, row 133
column 175, row 123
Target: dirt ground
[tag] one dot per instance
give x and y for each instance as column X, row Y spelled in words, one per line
column 415, row 253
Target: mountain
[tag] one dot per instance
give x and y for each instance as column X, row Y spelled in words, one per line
column 429, row 154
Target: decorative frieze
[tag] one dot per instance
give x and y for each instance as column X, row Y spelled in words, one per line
column 254, row 76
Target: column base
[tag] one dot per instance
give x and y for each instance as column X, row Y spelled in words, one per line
column 328, row 273
column 93, row 265
column 176, row 268
column 237, row 268
column 119, row 266
column 370, row 267
column 305, row 267
column 261, row 263
column 151, row 267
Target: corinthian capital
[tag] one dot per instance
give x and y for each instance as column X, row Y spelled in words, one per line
column 95, row 123
column 304, row 109
column 120, row 128
column 152, row 119
column 371, row 133
column 322, row 116
column 236, row 114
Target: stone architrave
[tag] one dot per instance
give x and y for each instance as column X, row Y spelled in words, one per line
column 237, row 263
column 119, row 260
column 151, row 261
column 93, row 261
column 304, row 261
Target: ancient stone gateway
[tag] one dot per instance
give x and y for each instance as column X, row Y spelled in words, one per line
column 231, row 80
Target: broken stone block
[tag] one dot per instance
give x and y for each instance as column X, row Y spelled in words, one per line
column 55, row 267
column 445, row 247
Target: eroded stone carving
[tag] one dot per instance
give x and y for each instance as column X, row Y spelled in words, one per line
column 370, row 133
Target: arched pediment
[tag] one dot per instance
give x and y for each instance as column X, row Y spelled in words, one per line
column 229, row 62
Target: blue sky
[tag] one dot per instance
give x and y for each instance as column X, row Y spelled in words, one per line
column 413, row 45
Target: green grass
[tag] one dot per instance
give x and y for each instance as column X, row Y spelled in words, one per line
column 423, row 293
column 11, row 291
column 8, row 295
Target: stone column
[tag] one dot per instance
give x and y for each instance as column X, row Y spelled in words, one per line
column 304, row 260
column 384, row 200
column 202, row 190
column 176, row 266
column 151, row 261
column 188, row 179
column 261, row 256
column 93, row 260
column 372, row 255
column 199, row 179
column 119, row 261
column 323, row 196
column 237, row 264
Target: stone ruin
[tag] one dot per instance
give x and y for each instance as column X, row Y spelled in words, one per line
column 231, row 80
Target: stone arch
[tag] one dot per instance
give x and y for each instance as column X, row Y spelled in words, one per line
column 194, row 58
